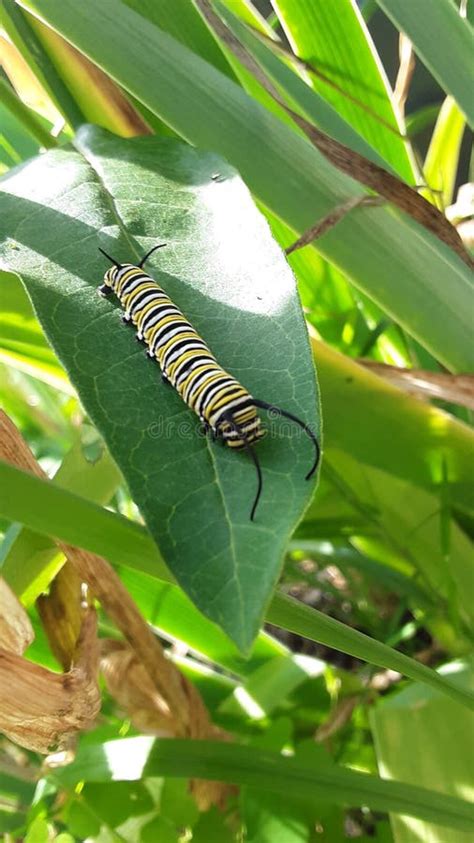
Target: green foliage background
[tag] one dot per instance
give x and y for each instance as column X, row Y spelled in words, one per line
column 381, row 551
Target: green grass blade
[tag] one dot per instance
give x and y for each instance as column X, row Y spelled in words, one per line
column 405, row 269
column 53, row 511
column 443, row 40
column 412, row 536
column 334, row 39
column 22, row 342
column 297, row 617
column 100, row 100
column 26, row 116
column 16, row 144
column 300, row 95
column 181, row 20
column 421, row 119
column 442, row 159
column 164, row 605
column 32, row 560
column 132, row 758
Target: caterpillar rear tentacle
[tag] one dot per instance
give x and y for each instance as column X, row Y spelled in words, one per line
column 226, row 409
column 253, row 456
column 272, row 407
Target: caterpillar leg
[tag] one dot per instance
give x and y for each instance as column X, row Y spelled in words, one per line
column 207, row 430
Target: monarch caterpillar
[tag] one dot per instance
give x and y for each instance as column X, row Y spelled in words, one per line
column 224, row 406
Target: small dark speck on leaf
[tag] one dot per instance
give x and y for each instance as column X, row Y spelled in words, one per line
column 349, row 379
column 217, row 177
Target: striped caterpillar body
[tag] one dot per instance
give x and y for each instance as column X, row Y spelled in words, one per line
column 227, row 411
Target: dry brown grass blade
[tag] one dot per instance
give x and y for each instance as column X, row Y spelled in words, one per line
column 329, row 221
column 16, row 632
column 337, row 719
column 405, row 72
column 42, row 710
column 458, row 389
column 352, row 163
column 386, row 185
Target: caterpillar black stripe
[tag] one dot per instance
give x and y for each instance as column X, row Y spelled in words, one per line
column 224, row 406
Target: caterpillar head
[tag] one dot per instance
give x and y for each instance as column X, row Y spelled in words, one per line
column 112, row 276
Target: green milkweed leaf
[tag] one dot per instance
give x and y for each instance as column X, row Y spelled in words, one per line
column 225, row 272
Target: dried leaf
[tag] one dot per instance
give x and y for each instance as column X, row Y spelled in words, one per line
column 16, row 632
column 42, row 710
column 130, row 685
